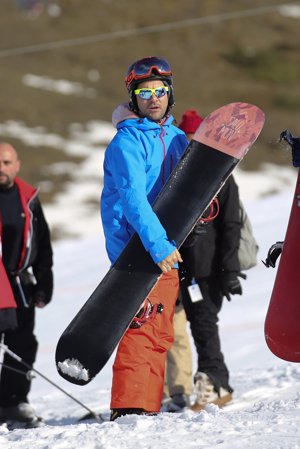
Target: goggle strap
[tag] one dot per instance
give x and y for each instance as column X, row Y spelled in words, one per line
column 133, row 76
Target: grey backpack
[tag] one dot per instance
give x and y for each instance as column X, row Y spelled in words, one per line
column 248, row 246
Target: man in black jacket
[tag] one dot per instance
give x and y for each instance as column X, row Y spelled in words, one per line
column 211, row 270
column 26, row 255
column 210, row 273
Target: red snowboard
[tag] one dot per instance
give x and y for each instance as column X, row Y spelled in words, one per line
column 282, row 325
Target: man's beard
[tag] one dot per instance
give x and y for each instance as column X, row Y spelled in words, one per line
column 5, row 184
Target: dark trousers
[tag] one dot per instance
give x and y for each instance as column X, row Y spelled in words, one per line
column 14, row 387
column 203, row 318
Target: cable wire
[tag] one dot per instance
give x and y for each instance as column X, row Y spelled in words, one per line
column 36, row 48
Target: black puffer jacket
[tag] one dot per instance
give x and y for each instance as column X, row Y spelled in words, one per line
column 36, row 255
column 216, row 247
column 40, row 259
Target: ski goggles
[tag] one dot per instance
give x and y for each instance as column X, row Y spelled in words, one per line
column 145, row 93
column 141, row 69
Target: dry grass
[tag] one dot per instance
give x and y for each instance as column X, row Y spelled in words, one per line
column 254, row 59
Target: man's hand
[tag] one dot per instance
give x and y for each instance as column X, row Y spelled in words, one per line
column 40, row 304
column 231, row 285
column 168, row 263
column 39, row 300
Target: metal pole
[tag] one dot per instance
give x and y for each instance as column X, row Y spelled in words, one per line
column 2, row 352
column 4, row 348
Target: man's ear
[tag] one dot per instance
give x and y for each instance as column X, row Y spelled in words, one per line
column 18, row 166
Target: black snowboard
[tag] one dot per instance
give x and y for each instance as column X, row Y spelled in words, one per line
column 220, row 142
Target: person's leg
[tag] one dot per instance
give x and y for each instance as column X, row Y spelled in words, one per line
column 212, row 378
column 138, row 370
column 178, row 385
column 179, row 370
column 166, row 393
column 14, row 387
column 203, row 317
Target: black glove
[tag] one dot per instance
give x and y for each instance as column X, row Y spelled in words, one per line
column 273, row 254
column 230, row 284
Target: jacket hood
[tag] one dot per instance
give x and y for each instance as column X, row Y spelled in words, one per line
column 121, row 113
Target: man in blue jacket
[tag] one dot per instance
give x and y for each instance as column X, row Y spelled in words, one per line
column 137, row 164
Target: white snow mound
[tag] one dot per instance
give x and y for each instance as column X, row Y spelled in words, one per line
column 74, row 368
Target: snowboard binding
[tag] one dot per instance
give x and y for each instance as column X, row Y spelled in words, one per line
column 294, row 142
column 273, row 254
column 146, row 314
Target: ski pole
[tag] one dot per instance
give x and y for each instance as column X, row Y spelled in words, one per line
column 98, row 417
column 28, row 374
column 2, row 352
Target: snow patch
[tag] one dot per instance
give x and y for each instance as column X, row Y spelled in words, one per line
column 74, row 368
column 63, row 87
column 290, row 11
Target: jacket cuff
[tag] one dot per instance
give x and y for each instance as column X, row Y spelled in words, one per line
column 160, row 251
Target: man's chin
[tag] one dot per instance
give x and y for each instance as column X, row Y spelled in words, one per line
column 3, row 184
column 155, row 116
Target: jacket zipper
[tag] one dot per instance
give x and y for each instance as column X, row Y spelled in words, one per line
column 27, row 251
column 161, row 135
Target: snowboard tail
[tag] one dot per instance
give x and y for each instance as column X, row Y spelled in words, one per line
column 220, row 142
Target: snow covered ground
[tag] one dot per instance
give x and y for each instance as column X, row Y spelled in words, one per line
column 265, row 411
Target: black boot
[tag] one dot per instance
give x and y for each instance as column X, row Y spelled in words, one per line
column 117, row 412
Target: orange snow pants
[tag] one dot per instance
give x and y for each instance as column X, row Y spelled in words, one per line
column 139, row 367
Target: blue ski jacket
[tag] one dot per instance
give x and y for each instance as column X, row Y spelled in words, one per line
column 137, row 164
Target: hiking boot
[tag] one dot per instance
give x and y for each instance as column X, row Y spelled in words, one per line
column 21, row 415
column 118, row 412
column 207, row 394
column 176, row 404
column 36, row 422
